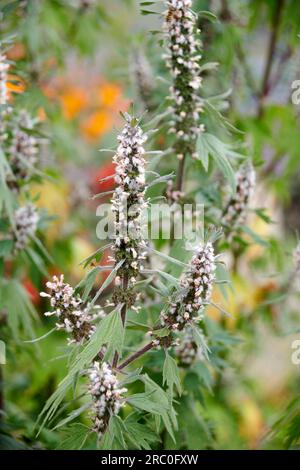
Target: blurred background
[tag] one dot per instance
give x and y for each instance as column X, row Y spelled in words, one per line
column 76, row 64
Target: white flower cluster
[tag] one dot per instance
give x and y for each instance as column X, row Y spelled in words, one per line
column 68, row 308
column 26, row 220
column 106, row 394
column 183, row 61
column 4, row 66
column 187, row 350
column 236, row 210
column 24, row 147
column 196, row 289
column 128, row 202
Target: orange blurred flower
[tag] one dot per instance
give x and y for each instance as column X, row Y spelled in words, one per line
column 109, row 94
column 73, row 101
column 14, row 84
column 41, row 114
column 96, row 124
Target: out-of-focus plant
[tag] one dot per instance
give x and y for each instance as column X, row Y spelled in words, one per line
column 21, row 223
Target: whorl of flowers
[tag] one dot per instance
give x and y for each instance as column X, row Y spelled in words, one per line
column 187, row 350
column 72, row 316
column 236, row 210
column 24, row 148
column 196, row 289
column 143, row 78
column 128, row 204
column 106, row 394
column 183, row 57
column 3, row 94
column 26, row 220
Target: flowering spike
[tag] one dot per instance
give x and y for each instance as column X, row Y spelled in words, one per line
column 196, row 290
column 67, row 307
column 236, row 209
column 26, row 220
column 128, row 204
column 143, row 78
column 106, row 395
column 24, row 148
column 183, row 61
column 4, row 66
column 187, row 350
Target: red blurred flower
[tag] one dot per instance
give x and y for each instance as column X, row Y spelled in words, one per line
column 32, row 291
column 106, row 170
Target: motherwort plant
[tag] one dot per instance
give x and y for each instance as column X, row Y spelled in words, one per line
column 155, row 296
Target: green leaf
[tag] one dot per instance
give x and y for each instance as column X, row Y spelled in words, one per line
column 138, row 434
column 203, row 153
column 200, row 341
column 95, row 256
column 169, row 258
column 20, row 310
column 203, row 374
column 76, row 436
column 6, row 196
column 43, row 250
column 159, row 396
column 74, row 414
column 142, row 401
column 118, row 428
column 255, row 237
column 162, row 332
column 222, row 274
column 5, row 247
column 36, row 260
column 171, row 374
column 171, row 279
column 88, row 282
column 207, row 15
column 220, row 153
column 148, row 12
column 107, row 281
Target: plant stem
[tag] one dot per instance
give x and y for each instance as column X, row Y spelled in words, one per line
column 270, row 57
column 136, row 355
column 180, row 174
column 123, row 318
